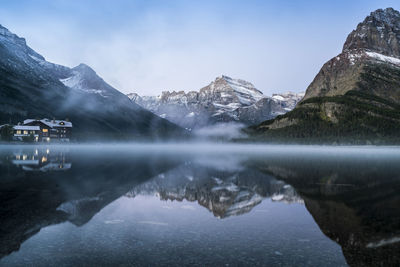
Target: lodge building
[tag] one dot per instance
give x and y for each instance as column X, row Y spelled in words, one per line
column 44, row 130
column 22, row 131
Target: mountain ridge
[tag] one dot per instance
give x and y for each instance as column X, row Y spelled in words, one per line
column 32, row 87
column 223, row 100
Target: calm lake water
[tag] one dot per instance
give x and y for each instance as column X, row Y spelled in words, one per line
column 199, row 204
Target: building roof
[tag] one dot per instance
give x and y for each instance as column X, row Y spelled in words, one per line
column 1, row 126
column 25, row 127
column 52, row 123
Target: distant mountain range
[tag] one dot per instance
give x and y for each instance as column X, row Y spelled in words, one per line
column 355, row 98
column 31, row 87
column 223, row 100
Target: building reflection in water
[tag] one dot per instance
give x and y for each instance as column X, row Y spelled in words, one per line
column 41, row 159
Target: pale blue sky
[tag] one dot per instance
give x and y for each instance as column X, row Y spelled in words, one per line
column 151, row 46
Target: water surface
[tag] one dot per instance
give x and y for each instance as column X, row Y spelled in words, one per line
column 199, row 204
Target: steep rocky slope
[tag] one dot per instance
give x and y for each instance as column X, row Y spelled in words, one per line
column 31, row 87
column 356, row 95
column 223, row 100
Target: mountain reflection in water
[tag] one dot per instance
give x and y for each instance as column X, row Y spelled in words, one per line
column 225, row 191
column 353, row 198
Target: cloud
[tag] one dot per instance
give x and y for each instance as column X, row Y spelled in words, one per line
column 221, row 131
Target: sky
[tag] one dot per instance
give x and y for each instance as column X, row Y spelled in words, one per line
column 151, row 46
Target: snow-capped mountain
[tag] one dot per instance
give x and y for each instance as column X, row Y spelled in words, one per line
column 223, row 100
column 32, row 87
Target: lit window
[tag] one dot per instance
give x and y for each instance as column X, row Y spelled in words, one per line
column 19, row 132
column 45, row 130
column 25, row 132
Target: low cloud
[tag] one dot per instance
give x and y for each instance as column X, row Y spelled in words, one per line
column 221, row 131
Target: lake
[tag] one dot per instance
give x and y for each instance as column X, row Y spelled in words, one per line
column 199, row 204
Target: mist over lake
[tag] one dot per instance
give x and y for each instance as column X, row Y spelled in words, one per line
column 199, row 204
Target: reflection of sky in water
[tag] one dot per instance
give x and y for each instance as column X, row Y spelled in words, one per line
column 144, row 230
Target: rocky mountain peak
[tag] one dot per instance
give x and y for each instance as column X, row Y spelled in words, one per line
column 375, row 42
column 5, row 33
column 379, row 32
column 83, row 68
column 85, row 79
column 15, row 43
column 389, row 15
column 235, row 83
column 133, row 96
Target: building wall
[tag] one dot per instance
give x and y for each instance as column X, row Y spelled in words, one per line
column 21, row 134
column 58, row 132
column 44, row 129
column 64, row 132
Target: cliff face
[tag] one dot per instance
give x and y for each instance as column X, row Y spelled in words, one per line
column 371, row 51
column 379, row 32
column 356, row 95
column 360, row 70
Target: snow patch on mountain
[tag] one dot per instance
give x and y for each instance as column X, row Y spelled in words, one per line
column 387, row 59
column 38, row 60
column 245, row 91
column 76, row 81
